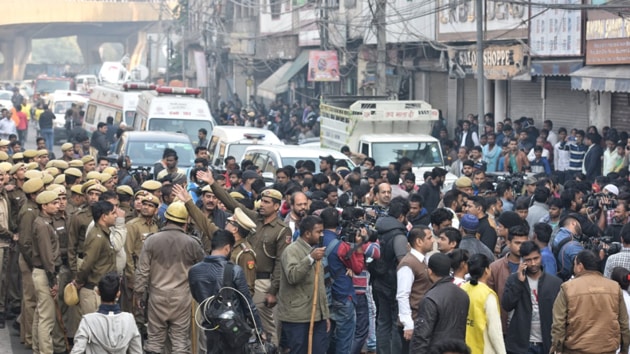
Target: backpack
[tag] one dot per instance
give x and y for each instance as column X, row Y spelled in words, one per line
column 225, row 317
column 381, row 267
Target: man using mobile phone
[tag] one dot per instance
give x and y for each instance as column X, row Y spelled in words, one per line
column 529, row 294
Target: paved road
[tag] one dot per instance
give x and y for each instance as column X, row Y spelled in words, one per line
column 9, row 338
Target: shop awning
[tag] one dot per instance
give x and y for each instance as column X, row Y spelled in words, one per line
column 278, row 82
column 555, row 67
column 272, row 86
column 608, row 78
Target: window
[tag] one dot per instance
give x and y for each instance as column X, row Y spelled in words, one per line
column 90, row 114
column 275, row 8
column 213, row 145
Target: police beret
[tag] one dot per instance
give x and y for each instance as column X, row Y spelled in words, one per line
column 73, row 172
column 4, row 142
column 150, row 198
column 16, row 167
column 177, row 212
column 105, row 177
column 151, row 185
column 96, row 187
column 57, row 188
column 17, row 156
column 33, row 185
column 93, row 175
column 463, row 182
column 70, row 295
column 5, row 166
column 243, row 220
column 33, row 174
column 32, row 165
column 124, row 190
column 46, row 197
column 67, row 146
column 87, row 185
column 60, row 164
column 77, row 189
column 42, row 152
column 53, row 171
column 4, row 156
column 48, row 179
column 111, row 170
column 207, row 189
column 272, row 193
column 75, row 163
column 87, row 158
column 237, row 195
column 30, row 153
column 60, row 179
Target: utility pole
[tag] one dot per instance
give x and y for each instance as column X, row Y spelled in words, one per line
column 480, row 75
column 381, row 48
column 323, row 37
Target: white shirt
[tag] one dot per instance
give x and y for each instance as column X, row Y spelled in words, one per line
column 475, row 139
column 552, row 138
column 7, row 127
column 610, row 160
column 560, row 158
column 404, row 282
column 532, row 156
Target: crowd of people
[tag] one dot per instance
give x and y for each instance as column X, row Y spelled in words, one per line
column 328, row 258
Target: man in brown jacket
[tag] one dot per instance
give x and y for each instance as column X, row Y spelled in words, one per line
column 162, row 272
column 595, row 305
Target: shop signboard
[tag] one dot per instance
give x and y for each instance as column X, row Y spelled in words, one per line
column 499, row 62
column 555, row 32
column 607, row 39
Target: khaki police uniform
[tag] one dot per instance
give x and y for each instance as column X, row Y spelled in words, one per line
column 17, row 198
column 99, row 258
column 46, row 263
column 163, row 272
column 7, row 249
column 205, row 225
column 245, row 257
column 71, row 314
column 138, row 230
column 268, row 242
column 77, row 229
column 26, row 217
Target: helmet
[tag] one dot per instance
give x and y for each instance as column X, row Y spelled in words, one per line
column 177, row 212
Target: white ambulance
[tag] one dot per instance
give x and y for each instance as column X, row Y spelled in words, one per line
column 117, row 101
column 173, row 109
column 59, row 103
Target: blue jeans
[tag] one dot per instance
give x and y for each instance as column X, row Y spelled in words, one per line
column 388, row 340
column 48, row 134
column 363, row 324
column 371, row 340
column 343, row 323
column 535, row 348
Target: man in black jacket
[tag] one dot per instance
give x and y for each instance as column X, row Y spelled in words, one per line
column 443, row 311
column 530, row 294
column 392, row 235
column 99, row 139
column 206, row 279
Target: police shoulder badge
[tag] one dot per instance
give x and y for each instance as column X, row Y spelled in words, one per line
column 250, row 265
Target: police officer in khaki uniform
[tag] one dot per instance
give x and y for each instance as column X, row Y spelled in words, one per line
column 138, row 230
column 67, row 152
column 163, row 272
column 70, row 314
column 125, row 195
column 269, row 241
column 8, row 266
column 89, row 164
column 26, row 217
column 79, row 223
column 46, row 263
column 76, row 200
column 241, row 226
column 99, row 257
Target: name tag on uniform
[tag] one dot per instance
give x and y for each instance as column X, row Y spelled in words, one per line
column 61, row 228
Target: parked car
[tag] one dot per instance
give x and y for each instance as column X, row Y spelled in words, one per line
column 232, row 141
column 145, row 148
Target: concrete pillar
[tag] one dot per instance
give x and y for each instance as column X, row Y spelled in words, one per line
column 500, row 100
column 16, row 54
column 455, row 101
column 90, row 49
column 421, row 86
column 488, row 97
column 600, row 106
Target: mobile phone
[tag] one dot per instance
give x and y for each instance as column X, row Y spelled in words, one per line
column 321, row 241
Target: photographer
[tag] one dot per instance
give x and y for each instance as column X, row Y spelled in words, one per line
column 613, row 215
column 341, row 256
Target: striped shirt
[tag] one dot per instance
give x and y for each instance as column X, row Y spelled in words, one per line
column 371, row 251
column 576, row 155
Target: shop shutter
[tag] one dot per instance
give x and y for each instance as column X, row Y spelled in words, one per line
column 565, row 107
column 525, row 100
column 620, row 112
column 470, row 97
column 438, row 92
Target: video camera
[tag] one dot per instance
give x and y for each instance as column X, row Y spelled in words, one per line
column 516, row 180
column 352, row 220
column 605, row 243
column 593, row 201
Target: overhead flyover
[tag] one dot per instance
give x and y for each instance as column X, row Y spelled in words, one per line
column 93, row 22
